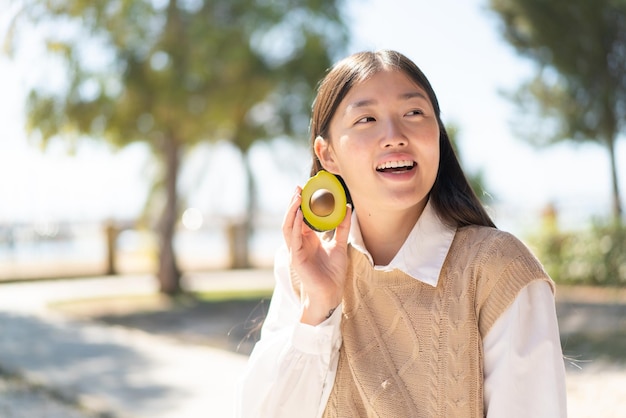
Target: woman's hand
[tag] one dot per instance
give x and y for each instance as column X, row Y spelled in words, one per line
column 321, row 266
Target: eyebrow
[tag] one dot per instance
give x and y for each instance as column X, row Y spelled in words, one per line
column 404, row 96
column 413, row 94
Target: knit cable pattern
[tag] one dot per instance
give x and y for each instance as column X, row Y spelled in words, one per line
column 411, row 350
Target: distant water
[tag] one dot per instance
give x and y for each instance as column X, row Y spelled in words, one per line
column 30, row 251
column 82, row 250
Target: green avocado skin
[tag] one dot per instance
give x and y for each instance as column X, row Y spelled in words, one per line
column 312, row 227
column 326, row 180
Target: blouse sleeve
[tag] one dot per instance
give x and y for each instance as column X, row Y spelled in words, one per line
column 292, row 367
column 524, row 372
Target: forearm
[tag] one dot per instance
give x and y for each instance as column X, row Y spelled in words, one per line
column 291, row 373
column 314, row 312
column 292, row 367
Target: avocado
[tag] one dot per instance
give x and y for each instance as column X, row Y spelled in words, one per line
column 323, row 201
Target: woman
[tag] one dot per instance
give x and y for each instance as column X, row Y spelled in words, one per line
column 417, row 306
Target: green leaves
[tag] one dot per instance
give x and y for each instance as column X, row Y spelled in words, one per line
column 579, row 47
column 196, row 68
column 579, row 90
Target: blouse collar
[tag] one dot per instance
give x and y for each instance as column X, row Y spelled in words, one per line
column 424, row 251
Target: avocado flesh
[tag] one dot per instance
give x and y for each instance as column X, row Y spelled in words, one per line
column 323, row 202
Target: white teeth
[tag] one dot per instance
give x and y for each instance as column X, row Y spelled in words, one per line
column 395, row 164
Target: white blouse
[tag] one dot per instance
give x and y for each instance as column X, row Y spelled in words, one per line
column 292, row 368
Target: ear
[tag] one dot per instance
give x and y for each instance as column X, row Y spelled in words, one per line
column 325, row 154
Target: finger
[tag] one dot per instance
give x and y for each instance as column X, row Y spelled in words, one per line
column 296, row 231
column 343, row 230
column 290, row 216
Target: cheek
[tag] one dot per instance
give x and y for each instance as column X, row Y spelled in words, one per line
column 432, row 156
column 348, row 150
column 436, row 156
column 430, row 144
column 435, row 163
column 435, row 150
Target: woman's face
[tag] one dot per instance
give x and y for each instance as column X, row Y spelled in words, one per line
column 384, row 143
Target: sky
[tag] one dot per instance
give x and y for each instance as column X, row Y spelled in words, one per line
column 458, row 46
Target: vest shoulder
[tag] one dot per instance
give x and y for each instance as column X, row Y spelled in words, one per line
column 484, row 238
column 495, row 251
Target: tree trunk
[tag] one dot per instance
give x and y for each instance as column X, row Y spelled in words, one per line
column 168, row 273
column 617, row 203
column 239, row 233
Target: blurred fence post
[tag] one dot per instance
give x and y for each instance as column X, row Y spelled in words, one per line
column 237, row 235
column 111, row 233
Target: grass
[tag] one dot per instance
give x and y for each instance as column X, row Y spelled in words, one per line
column 228, row 295
column 126, row 304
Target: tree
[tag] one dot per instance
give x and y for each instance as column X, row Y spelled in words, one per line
column 579, row 90
column 286, row 110
column 173, row 73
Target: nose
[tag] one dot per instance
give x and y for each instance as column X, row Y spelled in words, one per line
column 394, row 135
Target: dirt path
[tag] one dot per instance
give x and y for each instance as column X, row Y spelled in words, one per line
column 592, row 321
column 592, row 324
column 230, row 325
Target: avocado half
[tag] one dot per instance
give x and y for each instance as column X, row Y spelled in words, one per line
column 324, row 202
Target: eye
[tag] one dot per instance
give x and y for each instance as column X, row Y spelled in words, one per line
column 414, row 112
column 366, row 119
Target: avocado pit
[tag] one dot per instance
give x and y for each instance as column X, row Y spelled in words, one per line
column 322, row 202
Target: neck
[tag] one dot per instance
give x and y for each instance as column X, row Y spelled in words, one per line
column 384, row 232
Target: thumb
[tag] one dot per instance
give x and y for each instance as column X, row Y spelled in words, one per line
column 343, row 230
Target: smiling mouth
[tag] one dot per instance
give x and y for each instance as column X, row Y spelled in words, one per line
column 396, row 166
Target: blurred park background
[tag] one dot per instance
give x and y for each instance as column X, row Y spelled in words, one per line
column 167, row 136
column 164, row 138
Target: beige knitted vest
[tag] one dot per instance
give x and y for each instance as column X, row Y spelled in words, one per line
column 412, row 350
